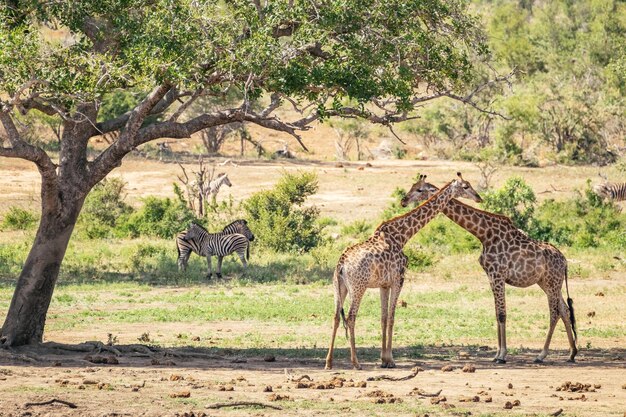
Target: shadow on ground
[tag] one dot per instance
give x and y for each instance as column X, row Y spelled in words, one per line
column 428, row 357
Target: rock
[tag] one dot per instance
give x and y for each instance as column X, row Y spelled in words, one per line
column 181, row 394
column 469, row 368
column 447, row 368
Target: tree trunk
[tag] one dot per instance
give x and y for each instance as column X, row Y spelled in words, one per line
column 25, row 320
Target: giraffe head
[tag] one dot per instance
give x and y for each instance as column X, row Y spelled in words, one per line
column 420, row 192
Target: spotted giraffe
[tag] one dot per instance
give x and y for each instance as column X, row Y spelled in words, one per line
column 379, row 263
column 509, row 256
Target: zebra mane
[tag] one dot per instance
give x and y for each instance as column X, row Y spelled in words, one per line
column 199, row 226
column 236, row 221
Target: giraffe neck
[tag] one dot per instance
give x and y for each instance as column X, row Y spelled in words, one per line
column 401, row 229
column 480, row 223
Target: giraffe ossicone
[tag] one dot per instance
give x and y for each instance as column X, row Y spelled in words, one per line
column 379, row 262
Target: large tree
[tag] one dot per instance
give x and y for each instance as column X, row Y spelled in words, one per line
column 375, row 59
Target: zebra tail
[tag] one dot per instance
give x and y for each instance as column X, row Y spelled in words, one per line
column 248, row 251
column 570, row 304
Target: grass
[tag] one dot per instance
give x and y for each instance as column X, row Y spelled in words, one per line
column 294, row 319
column 286, row 302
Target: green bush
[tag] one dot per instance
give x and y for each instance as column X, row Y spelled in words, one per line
column 18, row 219
column 420, row 259
column 515, row 199
column 277, row 218
column 359, row 229
column 585, row 221
column 104, row 208
column 448, row 237
column 161, row 217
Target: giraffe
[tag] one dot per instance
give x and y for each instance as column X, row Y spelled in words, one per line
column 379, row 262
column 509, row 256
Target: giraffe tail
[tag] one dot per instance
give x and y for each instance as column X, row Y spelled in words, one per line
column 570, row 304
column 338, row 291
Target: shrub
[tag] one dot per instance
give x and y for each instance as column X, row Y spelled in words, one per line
column 104, row 207
column 585, row 221
column 515, row 199
column 442, row 232
column 359, row 229
column 420, row 259
column 18, row 219
column 161, row 217
column 277, row 218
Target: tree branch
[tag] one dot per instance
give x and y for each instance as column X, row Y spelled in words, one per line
column 116, row 124
column 23, row 150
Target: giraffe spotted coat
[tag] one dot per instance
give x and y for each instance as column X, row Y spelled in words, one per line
column 509, row 256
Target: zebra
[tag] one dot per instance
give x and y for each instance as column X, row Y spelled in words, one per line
column 214, row 186
column 196, row 239
column 609, row 191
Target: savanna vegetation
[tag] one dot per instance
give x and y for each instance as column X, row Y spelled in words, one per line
column 498, row 83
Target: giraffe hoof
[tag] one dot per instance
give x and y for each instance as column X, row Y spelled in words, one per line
column 571, row 360
column 538, row 360
column 500, row 361
column 218, row 275
column 357, row 367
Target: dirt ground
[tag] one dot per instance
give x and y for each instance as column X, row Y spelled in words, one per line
column 147, row 383
column 347, row 191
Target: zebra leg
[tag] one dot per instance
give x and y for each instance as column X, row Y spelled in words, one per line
column 208, row 259
column 219, row 266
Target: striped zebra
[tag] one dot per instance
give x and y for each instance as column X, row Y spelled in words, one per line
column 197, row 239
column 608, row 191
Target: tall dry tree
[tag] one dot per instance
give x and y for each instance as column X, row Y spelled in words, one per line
column 65, row 58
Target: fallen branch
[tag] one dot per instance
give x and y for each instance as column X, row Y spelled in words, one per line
column 557, row 412
column 413, row 374
column 52, row 401
column 243, row 403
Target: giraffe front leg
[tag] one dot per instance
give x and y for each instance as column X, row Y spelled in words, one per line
column 393, row 302
column 384, row 311
column 500, row 303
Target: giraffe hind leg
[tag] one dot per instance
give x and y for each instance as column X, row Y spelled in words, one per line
column 340, row 295
column 567, row 315
column 553, row 305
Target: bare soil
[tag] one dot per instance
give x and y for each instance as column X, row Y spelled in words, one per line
column 175, row 381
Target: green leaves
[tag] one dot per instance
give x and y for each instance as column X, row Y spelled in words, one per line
column 347, row 48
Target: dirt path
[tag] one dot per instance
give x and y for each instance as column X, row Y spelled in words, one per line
column 144, row 384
